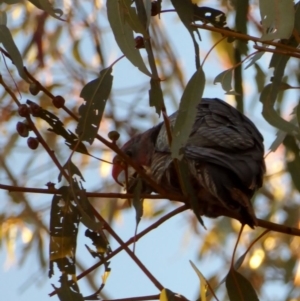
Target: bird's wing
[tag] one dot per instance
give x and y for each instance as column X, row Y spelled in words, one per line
column 220, row 126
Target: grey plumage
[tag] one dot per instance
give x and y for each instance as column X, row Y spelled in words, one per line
column 224, row 154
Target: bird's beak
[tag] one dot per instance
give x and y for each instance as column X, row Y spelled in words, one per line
column 121, row 172
column 118, row 172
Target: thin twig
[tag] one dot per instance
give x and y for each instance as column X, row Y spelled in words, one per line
column 236, row 245
column 130, row 241
column 129, row 252
column 245, row 37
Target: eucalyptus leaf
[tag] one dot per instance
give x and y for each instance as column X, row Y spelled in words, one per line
column 225, row 79
column 239, row 288
column 95, row 94
column 187, row 112
column 123, row 34
column 185, row 11
column 156, row 98
column 277, row 19
column 254, row 59
column 130, row 16
column 64, row 223
column 203, row 282
column 7, row 40
column 270, row 113
column 137, row 201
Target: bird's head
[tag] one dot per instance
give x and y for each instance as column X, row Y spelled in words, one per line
column 139, row 149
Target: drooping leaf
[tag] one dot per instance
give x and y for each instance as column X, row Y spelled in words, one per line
column 77, row 54
column 156, row 98
column 148, row 8
column 72, row 170
column 277, row 17
column 270, row 113
column 95, row 94
column 259, row 78
column 189, row 190
column 293, row 165
column 99, row 241
column 203, row 282
column 240, row 261
column 209, row 15
column 57, row 127
column 166, row 295
column 69, row 290
column 254, row 59
column 187, row 112
column 123, row 34
column 137, row 201
column 239, row 288
column 225, row 79
column 280, row 135
column 185, row 11
column 46, row 6
column 10, row 46
column 130, row 16
column 84, row 206
column 64, row 222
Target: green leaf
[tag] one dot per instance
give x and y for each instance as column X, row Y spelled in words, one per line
column 100, row 241
column 209, row 15
column 124, row 35
column 187, row 112
column 156, row 98
column 270, row 113
column 64, row 223
column 76, row 53
column 240, row 261
column 278, row 18
column 185, row 11
column 166, row 295
column 239, row 288
column 95, row 94
column 189, row 190
column 203, row 282
column 280, row 135
column 57, row 127
column 259, row 78
column 293, row 165
column 131, row 17
column 10, row 46
column 46, row 6
column 148, row 8
column 137, row 201
column 84, row 206
column 254, row 59
column 225, row 79
column 72, row 170
column 69, row 290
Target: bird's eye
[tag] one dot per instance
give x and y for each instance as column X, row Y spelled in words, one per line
column 128, row 153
